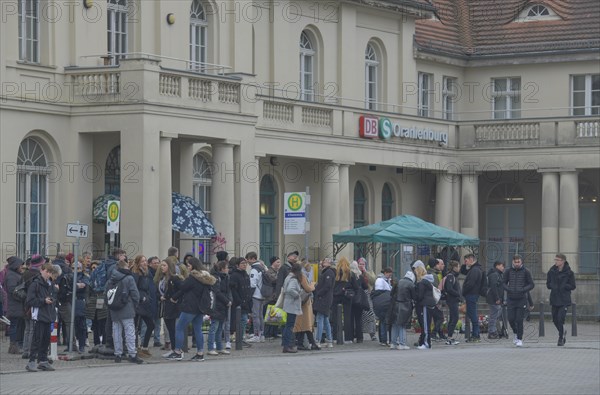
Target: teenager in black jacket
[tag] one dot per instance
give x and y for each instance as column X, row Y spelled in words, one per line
column 560, row 280
column 495, row 297
column 223, row 300
column 323, row 299
column 241, row 293
column 425, row 303
column 517, row 282
column 453, row 297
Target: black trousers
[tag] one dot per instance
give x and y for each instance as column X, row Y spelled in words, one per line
column 170, row 324
column 438, row 320
column 516, row 314
column 425, row 318
column 453, row 320
column 40, row 342
column 559, row 313
column 149, row 321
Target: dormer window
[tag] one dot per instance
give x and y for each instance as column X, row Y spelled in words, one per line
column 537, row 12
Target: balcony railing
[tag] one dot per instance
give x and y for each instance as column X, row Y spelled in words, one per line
column 587, row 129
column 508, row 132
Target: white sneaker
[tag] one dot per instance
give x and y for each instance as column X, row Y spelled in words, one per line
column 228, row 346
column 515, row 340
column 262, row 339
column 330, row 344
column 212, row 352
column 254, row 339
column 402, row 347
column 225, row 352
column 519, row 343
column 394, row 347
column 167, row 354
column 423, row 347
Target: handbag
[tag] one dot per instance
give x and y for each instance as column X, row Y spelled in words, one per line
column 279, row 303
column 275, row 316
column 361, row 299
column 349, row 294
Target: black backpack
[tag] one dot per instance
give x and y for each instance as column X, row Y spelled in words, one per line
column 208, row 301
column 116, row 297
column 65, row 288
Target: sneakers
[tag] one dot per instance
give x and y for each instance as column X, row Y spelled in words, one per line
column 254, row 339
column 173, row 356
column 423, row 347
column 403, row 347
column 315, row 347
column 225, row 352
column 515, row 340
column 473, row 340
column 5, row 320
column 562, row 341
column 330, row 344
column 31, row 367
column 212, row 352
column 228, row 346
column 262, row 339
column 198, row 358
column 45, row 366
column 519, row 343
column 451, row 342
column 394, row 347
column 492, row 336
column 118, row 359
column 135, row 359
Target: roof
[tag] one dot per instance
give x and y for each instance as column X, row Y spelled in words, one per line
column 478, row 28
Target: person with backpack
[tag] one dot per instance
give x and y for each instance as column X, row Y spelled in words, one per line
column 256, row 282
column 145, row 310
column 425, row 303
column 471, row 290
column 436, row 268
column 495, row 297
column 41, row 300
column 15, row 311
column 517, row 282
column 122, row 296
column 195, row 298
column 560, row 280
column 451, row 288
column 220, row 272
column 403, row 296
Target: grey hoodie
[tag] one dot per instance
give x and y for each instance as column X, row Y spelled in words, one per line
column 129, row 287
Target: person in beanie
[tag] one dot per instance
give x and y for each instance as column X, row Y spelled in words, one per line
column 517, row 282
column 283, row 272
column 41, row 299
column 14, row 275
column 495, row 297
column 560, row 280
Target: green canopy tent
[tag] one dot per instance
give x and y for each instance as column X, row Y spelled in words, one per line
column 404, row 229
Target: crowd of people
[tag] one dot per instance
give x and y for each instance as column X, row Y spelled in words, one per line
column 126, row 302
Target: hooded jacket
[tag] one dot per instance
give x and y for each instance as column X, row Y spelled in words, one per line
column 147, row 289
column 191, row 290
column 129, row 287
column 223, row 296
column 12, row 279
column 282, row 274
column 496, row 289
column 37, row 292
column 324, row 291
column 517, row 282
column 403, row 295
column 452, row 287
column 425, row 292
column 560, row 283
column 239, row 283
column 473, row 278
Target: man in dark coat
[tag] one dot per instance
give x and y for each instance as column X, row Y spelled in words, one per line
column 471, row 286
column 517, row 282
column 241, row 292
column 495, row 297
column 323, row 299
column 15, row 307
column 560, row 280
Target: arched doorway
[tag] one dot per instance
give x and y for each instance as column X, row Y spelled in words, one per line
column 268, row 217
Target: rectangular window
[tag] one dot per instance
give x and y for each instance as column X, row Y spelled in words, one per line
column 29, row 31
column 117, row 30
column 425, row 94
column 449, row 97
column 306, row 76
column 585, row 94
column 506, row 98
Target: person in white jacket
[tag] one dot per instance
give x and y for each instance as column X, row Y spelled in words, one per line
column 256, row 273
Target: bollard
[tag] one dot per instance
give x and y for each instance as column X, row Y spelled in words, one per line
column 542, row 329
column 574, row 319
column 53, row 342
column 239, row 336
column 339, row 327
column 467, row 328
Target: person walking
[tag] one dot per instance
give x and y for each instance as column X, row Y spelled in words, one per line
column 470, row 290
column 560, row 280
column 517, row 282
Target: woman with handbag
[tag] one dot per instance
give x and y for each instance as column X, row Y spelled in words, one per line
column 305, row 323
column 345, row 290
column 292, row 305
column 167, row 283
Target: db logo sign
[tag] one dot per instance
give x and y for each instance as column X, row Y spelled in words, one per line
column 369, row 127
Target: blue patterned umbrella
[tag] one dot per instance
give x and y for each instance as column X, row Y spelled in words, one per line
column 188, row 217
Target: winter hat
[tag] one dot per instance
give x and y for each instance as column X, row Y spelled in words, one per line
column 432, row 262
column 221, row 255
column 69, row 257
column 410, row 275
column 36, row 262
column 273, row 259
column 429, row 277
column 14, row 260
column 293, row 253
column 417, row 264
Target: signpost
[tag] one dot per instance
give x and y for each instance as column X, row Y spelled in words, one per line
column 295, row 214
column 113, row 219
column 77, row 231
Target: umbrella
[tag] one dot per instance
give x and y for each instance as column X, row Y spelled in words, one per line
column 100, row 207
column 188, row 217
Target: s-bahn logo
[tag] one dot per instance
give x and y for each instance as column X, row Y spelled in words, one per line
column 382, row 128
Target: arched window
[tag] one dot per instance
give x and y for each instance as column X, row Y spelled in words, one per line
column 360, row 216
column 387, row 203
column 268, row 217
column 371, row 77
column 117, row 30
column 505, row 223
column 198, row 37
column 32, row 198
column 589, row 234
column 307, row 67
column 538, row 10
column 202, row 183
column 112, row 172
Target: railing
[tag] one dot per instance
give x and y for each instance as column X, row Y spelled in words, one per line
column 200, row 89
column 587, row 129
column 316, row 116
column 229, row 93
column 169, row 85
column 279, row 112
column 514, row 132
column 96, row 83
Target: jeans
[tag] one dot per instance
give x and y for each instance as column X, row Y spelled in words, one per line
column 288, row 340
column 226, row 326
column 559, row 313
column 516, row 314
column 472, row 314
column 181, row 330
column 258, row 317
column 28, row 337
column 453, row 320
column 215, row 334
column 398, row 335
column 117, row 330
column 495, row 312
column 323, row 321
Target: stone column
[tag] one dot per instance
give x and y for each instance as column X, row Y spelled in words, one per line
column 222, row 193
column 186, row 185
column 568, row 217
column 469, row 210
column 165, row 212
column 550, row 209
column 443, row 201
column 330, row 205
column 344, row 201
column 456, row 193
